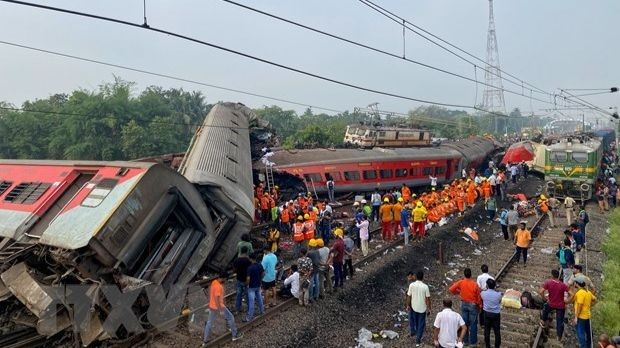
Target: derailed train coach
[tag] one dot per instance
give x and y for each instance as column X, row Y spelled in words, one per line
column 358, row 170
column 68, row 223
column 129, row 225
column 219, row 164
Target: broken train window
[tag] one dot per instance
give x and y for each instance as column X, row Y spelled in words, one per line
column 99, row 193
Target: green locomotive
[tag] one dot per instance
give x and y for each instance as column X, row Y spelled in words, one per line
column 572, row 166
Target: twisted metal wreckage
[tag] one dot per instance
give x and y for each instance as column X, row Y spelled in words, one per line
column 85, row 246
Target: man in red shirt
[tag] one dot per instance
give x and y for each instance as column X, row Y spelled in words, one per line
column 555, row 302
column 469, row 292
column 337, row 258
column 217, row 306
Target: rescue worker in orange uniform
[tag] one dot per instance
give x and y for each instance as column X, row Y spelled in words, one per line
column 385, row 212
column 405, row 193
column 309, row 227
column 285, row 219
column 434, row 196
column 259, row 190
column 310, row 199
column 471, row 194
column 396, row 210
column 265, row 206
column 460, row 200
column 298, row 235
column 486, row 188
column 274, row 193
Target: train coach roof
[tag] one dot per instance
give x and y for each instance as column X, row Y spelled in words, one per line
column 77, row 163
column 295, row 157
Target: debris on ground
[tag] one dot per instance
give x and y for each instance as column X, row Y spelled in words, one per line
column 364, row 339
column 389, row 334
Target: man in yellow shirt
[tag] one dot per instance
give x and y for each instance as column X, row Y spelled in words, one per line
column 419, row 220
column 522, row 242
column 583, row 300
column 386, row 219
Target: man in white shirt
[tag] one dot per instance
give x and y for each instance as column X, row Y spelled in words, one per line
column 482, row 279
column 418, row 305
column 569, row 204
column 291, row 283
column 446, row 327
column 493, row 182
column 482, row 283
column 433, row 181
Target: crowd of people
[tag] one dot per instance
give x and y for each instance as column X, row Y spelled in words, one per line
column 481, row 304
column 323, row 253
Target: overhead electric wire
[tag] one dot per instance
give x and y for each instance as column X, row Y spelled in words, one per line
column 95, row 117
column 243, row 54
column 246, row 55
column 371, row 48
column 398, row 19
column 167, row 76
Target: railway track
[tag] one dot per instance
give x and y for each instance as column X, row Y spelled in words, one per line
column 520, row 328
column 24, row 338
column 283, row 305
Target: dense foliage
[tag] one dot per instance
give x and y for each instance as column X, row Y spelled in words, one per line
column 116, row 123
column 107, row 124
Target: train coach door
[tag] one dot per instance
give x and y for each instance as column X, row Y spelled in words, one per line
column 449, row 169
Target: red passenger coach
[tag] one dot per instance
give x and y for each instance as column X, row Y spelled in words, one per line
column 356, row 170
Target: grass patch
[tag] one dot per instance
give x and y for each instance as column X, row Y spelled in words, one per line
column 606, row 316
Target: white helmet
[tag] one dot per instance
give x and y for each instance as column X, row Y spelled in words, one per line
column 356, row 204
column 363, row 201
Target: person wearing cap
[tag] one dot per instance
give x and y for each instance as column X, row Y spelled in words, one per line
column 337, row 258
column 298, row 234
column 578, row 275
column 314, row 255
column 419, row 220
column 387, row 218
column 543, row 206
column 218, row 307
column 366, row 208
column 522, row 242
column 583, row 301
column 556, row 291
column 569, row 206
column 396, row 210
column 309, row 227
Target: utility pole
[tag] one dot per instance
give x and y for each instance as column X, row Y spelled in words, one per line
column 493, row 96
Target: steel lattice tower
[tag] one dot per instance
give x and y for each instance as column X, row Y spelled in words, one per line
column 493, row 97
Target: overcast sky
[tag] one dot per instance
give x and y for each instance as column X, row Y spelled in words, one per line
column 551, row 44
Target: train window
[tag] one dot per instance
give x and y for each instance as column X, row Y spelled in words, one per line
column 381, row 142
column 385, row 173
column 99, row 193
column 439, row 170
column 26, row 192
column 382, row 134
column 369, row 174
column 427, row 171
column 421, row 136
column 558, row 156
column 313, row 177
column 4, row 185
column 580, row 157
column 352, row 175
column 334, row 175
column 400, row 173
column 414, row 171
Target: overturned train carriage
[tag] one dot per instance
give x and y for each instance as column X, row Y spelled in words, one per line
column 219, row 164
column 64, row 222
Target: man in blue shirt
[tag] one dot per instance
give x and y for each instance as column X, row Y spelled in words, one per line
column 491, row 305
column 270, row 260
column 405, row 216
column 254, row 274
